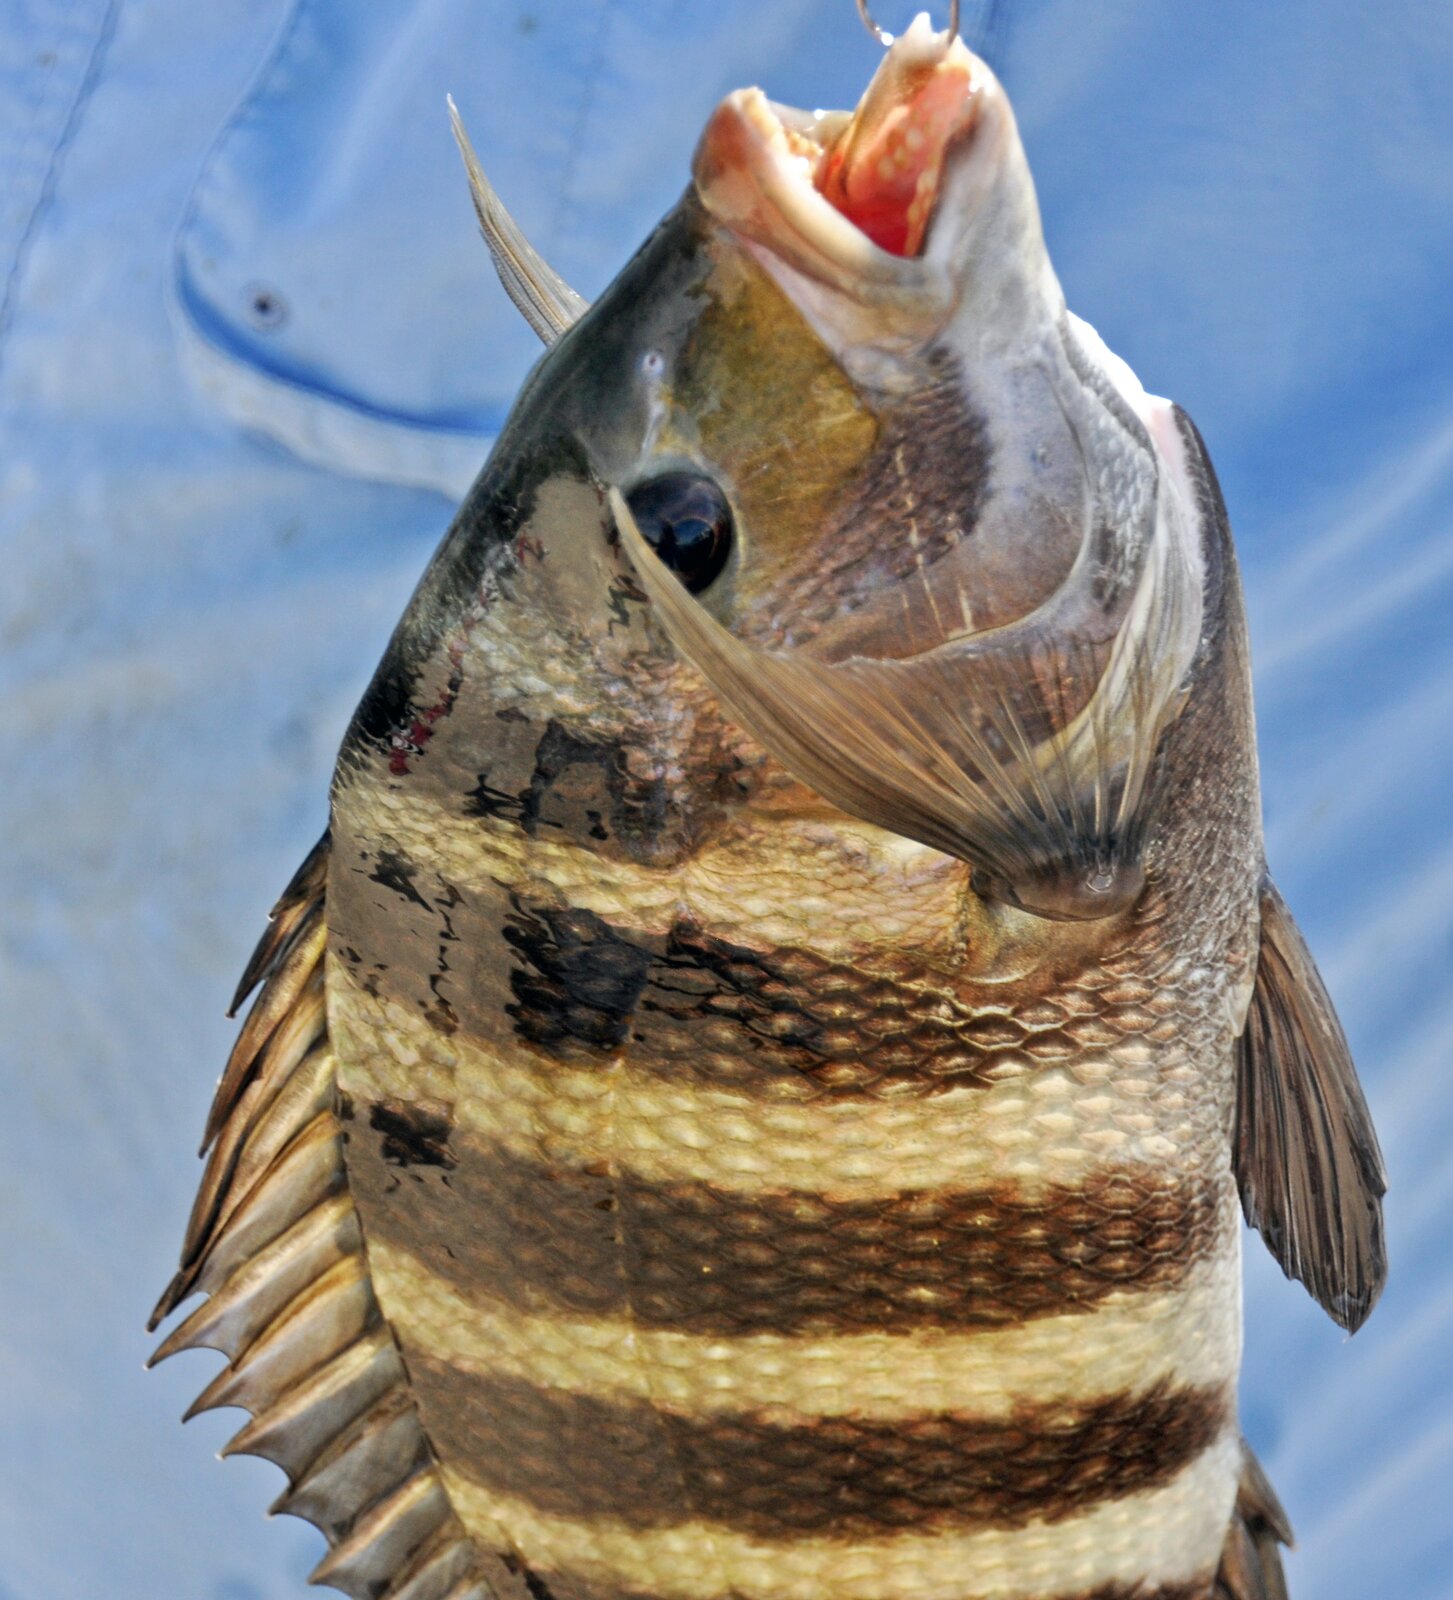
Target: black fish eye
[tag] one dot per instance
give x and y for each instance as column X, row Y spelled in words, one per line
column 686, row 520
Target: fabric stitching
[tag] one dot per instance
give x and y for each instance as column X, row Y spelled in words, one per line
column 90, row 77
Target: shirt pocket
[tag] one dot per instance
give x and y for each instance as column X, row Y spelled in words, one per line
column 329, row 285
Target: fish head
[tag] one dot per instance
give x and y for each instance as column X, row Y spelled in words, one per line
column 867, row 373
column 826, row 502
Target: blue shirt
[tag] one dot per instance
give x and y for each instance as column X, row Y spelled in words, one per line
column 250, row 349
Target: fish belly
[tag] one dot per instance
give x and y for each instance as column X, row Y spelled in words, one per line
column 729, row 1261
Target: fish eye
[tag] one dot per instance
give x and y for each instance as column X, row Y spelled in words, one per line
column 686, row 520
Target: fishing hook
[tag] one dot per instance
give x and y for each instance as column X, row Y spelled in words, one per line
column 885, row 38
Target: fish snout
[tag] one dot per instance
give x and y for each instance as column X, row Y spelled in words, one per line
column 868, row 218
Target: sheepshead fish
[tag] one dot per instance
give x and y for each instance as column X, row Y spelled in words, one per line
column 754, row 1095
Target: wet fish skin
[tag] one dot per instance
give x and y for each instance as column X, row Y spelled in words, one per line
column 753, row 1198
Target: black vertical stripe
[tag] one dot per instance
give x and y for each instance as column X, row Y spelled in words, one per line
column 847, row 1476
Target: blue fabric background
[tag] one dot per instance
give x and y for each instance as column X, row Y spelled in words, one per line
column 249, row 346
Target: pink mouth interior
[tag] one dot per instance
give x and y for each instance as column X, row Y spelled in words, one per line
column 883, row 172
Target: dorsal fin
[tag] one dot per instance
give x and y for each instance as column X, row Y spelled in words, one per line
column 1307, row 1159
column 541, row 295
column 275, row 1244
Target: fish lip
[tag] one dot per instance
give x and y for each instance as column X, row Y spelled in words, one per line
column 757, row 167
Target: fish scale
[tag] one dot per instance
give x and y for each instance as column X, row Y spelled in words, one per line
column 550, row 1217
column 754, row 1096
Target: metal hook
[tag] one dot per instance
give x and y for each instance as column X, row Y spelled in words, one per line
column 885, row 38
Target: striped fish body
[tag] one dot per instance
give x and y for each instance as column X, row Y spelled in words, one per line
column 780, row 1219
column 753, row 1097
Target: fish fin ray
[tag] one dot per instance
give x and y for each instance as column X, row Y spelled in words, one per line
column 1308, row 1165
column 296, row 964
column 1250, row 1567
column 441, row 1568
column 940, row 747
column 540, row 294
column 362, row 1561
column 283, row 921
column 274, row 1243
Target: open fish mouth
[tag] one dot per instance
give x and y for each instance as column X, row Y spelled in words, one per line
column 869, row 199
column 907, row 235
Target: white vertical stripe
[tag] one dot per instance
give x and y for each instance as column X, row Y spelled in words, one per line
column 1168, row 1535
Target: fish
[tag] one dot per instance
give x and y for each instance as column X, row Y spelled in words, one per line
column 754, row 1095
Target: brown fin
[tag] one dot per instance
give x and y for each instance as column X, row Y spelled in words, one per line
column 382, row 1448
column 303, row 1423
column 276, row 1106
column 296, row 965
column 435, row 1571
column 236, row 1314
column 302, row 1176
column 328, row 1314
column 274, row 1242
column 1257, row 1503
column 540, row 294
column 363, row 1562
column 1307, row 1158
column 257, row 1107
column 1251, row 1557
column 304, row 891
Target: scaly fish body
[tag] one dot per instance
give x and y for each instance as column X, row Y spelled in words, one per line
column 768, row 1224
column 767, row 1118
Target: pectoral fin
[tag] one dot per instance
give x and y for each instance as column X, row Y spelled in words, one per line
column 943, row 748
column 1307, row 1159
